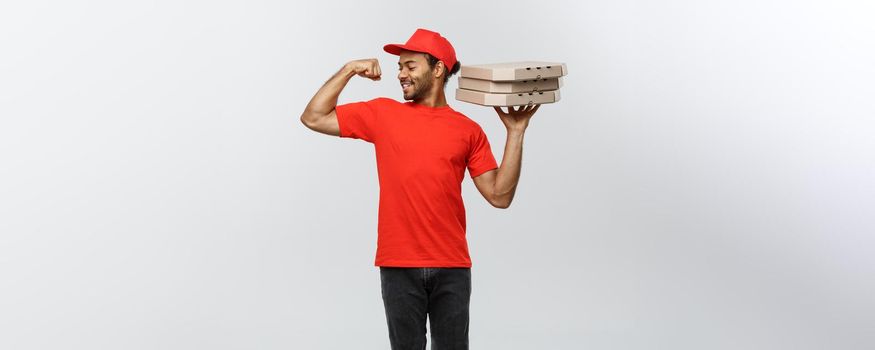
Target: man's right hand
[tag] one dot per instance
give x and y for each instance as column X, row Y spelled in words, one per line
column 367, row 68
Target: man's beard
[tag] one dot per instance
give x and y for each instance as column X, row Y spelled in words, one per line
column 421, row 87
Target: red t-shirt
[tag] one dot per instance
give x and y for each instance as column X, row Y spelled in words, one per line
column 422, row 153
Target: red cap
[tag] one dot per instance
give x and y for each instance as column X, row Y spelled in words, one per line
column 433, row 43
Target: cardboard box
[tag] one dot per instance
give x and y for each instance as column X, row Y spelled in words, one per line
column 517, row 99
column 514, row 71
column 507, row 87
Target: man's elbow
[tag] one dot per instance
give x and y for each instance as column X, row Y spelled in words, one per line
column 500, row 203
column 311, row 120
column 308, row 118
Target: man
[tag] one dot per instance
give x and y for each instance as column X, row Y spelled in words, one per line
column 423, row 148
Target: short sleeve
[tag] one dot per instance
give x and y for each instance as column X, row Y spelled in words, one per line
column 358, row 120
column 480, row 157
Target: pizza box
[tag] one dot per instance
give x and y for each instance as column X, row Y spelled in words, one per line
column 507, row 87
column 516, row 99
column 514, row 71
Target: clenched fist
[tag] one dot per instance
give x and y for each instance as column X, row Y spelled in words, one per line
column 367, row 68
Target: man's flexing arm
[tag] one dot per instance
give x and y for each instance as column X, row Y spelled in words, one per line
column 499, row 185
column 320, row 115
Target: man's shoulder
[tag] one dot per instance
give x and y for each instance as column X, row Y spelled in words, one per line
column 464, row 119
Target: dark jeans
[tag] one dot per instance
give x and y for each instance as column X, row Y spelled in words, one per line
column 442, row 293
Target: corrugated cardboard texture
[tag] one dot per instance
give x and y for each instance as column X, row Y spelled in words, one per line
column 518, row 99
column 507, row 87
column 514, row 71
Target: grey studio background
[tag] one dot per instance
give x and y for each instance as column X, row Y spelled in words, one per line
column 706, row 181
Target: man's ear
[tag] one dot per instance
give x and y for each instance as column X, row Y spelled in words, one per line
column 440, row 69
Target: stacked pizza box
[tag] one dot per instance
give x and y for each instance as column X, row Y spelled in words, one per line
column 511, row 83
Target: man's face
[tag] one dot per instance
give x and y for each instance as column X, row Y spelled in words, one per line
column 414, row 74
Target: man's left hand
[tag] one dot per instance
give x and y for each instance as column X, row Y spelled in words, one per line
column 517, row 119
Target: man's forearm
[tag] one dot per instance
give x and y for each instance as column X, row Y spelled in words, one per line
column 509, row 172
column 325, row 99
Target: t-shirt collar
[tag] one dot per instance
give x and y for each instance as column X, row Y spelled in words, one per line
column 427, row 108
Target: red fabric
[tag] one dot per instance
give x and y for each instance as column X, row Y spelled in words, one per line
column 424, row 40
column 422, row 153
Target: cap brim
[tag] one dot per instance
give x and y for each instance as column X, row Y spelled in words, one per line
column 394, row 49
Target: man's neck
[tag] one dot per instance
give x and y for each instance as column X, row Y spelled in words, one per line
column 434, row 100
